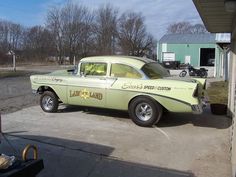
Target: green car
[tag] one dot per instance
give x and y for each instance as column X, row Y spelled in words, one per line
column 140, row 86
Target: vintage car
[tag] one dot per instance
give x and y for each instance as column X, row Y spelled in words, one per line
column 137, row 85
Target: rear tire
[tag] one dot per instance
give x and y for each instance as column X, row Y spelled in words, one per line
column 145, row 112
column 49, row 101
column 182, row 73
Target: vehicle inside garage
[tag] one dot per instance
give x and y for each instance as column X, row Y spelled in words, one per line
column 207, row 56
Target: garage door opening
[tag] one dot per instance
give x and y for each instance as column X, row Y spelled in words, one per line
column 207, row 57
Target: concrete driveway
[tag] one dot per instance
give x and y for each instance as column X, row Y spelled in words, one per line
column 88, row 142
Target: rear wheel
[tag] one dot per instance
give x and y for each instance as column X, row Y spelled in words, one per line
column 182, row 74
column 145, row 112
column 49, row 102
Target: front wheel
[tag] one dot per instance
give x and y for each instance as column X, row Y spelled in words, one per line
column 204, row 74
column 145, row 112
column 183, row 73
column 49, row 102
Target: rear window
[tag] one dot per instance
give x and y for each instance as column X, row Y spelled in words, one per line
column 155, row 71
column 121, row 70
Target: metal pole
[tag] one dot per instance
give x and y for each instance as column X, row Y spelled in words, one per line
column 0, row 124
column 74, row 60
column 0, row 128
column 225, row 66
column 14, row 62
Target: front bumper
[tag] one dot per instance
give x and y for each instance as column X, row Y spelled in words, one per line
column 34, row 91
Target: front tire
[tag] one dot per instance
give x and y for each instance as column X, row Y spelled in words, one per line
column 49, row 102
column 204, row 74
column 182, row 74
column 145, row 112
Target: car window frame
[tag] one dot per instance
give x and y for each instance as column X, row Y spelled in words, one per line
column 97, row 62
column 153, row 78
column 137, row 70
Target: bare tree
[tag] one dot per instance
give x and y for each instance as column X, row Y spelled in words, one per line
column 37, row 44
column 106, row 29
column 198, row 29
column 86, row 42
column 55, row 26
column 74, row 31
column 179, row 28
column 72, row 27
column 4, row 32
column 186, row 28
column 133, row 38
column 10, row 35
column 15, row 36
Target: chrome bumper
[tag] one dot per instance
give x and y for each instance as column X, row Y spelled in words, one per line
column 198, row 108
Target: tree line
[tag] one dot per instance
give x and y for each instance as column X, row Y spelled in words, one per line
column 75, row 31
column 186, row 28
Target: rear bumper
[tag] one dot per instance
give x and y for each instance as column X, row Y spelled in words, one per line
column 198, row 109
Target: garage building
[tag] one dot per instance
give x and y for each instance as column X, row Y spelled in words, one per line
column 199, row 50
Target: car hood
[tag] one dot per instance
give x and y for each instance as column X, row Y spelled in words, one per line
column 61, row 73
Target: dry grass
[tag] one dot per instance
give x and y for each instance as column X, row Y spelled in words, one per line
column 218, row 92
column 4, row 74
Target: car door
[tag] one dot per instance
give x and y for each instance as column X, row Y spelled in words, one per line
column 117, row 94
column 88, row 88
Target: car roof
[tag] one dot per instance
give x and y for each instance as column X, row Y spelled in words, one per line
column 136, row 62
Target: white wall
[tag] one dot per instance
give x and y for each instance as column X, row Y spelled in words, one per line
column 232, row 101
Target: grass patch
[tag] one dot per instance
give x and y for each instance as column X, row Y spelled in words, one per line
column 4, row 74
column 218, row 92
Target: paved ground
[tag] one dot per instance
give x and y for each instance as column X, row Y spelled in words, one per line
column 94, row 142
column 16, row 94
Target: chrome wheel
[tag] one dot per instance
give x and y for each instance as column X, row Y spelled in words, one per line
column 47, row 103
column 144, row 111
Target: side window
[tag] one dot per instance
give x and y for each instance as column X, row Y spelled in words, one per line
column 93, row 69
column 121, row 70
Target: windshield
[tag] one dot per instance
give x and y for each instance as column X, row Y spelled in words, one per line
column 155, row 71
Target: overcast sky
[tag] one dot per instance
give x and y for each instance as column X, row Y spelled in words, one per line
column 158, row 13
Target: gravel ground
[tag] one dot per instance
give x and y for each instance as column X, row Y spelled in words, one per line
column 16, row 94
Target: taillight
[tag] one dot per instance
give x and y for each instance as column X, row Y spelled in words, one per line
column 204, row 85
column 195, row 93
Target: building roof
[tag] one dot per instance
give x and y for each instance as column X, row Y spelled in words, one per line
column 189, row 39
column 223, row 37
column 214, row 15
